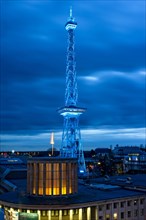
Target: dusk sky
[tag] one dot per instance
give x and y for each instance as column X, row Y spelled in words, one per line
column 110, row 45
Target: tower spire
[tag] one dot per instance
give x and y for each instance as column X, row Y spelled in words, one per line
column 70, row 11
column 71, row 138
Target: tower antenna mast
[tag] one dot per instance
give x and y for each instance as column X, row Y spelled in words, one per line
column 71, row 137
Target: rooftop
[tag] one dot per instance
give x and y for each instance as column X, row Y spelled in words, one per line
column 87, row 194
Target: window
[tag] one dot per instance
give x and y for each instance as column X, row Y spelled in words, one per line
column 122, row 215
column 142, row 212
column 100, row 217
column 107, row 217
column 122, row 204
column 52, row 213
column 135, row 212
column 100, row 207
column 129, row 203
column 115, row 205
column 107, row 206
column 135, row 202
column 129, row 213
column 141, row 201
column 75, row 211
column 115, row 216
column 65, row 212
column 43, row 213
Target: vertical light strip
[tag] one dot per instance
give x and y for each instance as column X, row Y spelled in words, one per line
column 60, row 214
column 70, row 214
column 80, row 214
column 89, row 213
column 96, row 212
column 39, row 214
column 49, row 215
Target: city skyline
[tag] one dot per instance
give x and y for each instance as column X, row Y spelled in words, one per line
column 110, row 54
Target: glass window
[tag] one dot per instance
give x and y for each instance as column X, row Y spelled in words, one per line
column 100, row 207
column 141, row 201
column 52, row 213
column 107, row 217
column 115, row 205
column 129, row 203
column 122, row 215
column 142, row 212
column 56, row 213
column 65, row 212
column 129, row 213
column 122, row 204
column 135, row 212
column 107, row 206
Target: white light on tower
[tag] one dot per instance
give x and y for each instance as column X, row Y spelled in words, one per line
column 52, row 141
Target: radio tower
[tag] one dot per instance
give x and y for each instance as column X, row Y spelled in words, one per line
column 71, row 138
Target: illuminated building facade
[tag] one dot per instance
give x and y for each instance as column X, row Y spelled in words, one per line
column 89, row 204
column 56, row 176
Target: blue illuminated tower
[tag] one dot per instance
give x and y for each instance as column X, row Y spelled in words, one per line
column 71, row 138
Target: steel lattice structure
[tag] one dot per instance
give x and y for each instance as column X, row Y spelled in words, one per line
column 71, row 138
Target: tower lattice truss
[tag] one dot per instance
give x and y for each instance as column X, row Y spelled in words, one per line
column 71, row 138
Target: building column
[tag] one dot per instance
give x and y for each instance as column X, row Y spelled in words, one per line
column 60, row 214
column 80, row 214
column 49, row 215
column 70, row 214
column 89, row 213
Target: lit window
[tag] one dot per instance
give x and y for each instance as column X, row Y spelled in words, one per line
column 56, row 213
column 115, row 216
column 64, row 212
column 52, row 213
column 107, row 217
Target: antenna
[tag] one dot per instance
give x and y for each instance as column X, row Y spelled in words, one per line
column 52, row 141
column 70, row 11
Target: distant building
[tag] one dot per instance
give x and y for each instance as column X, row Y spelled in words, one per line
column 133, row 159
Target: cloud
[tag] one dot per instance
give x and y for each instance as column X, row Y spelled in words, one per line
column 110, row 63
column 91, row 138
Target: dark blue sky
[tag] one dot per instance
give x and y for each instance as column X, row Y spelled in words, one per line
column 111, row 70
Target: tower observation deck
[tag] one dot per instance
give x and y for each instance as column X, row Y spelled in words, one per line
column 71, row 137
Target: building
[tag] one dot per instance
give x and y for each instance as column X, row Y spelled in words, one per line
column 83, row 202
column 130, row 159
